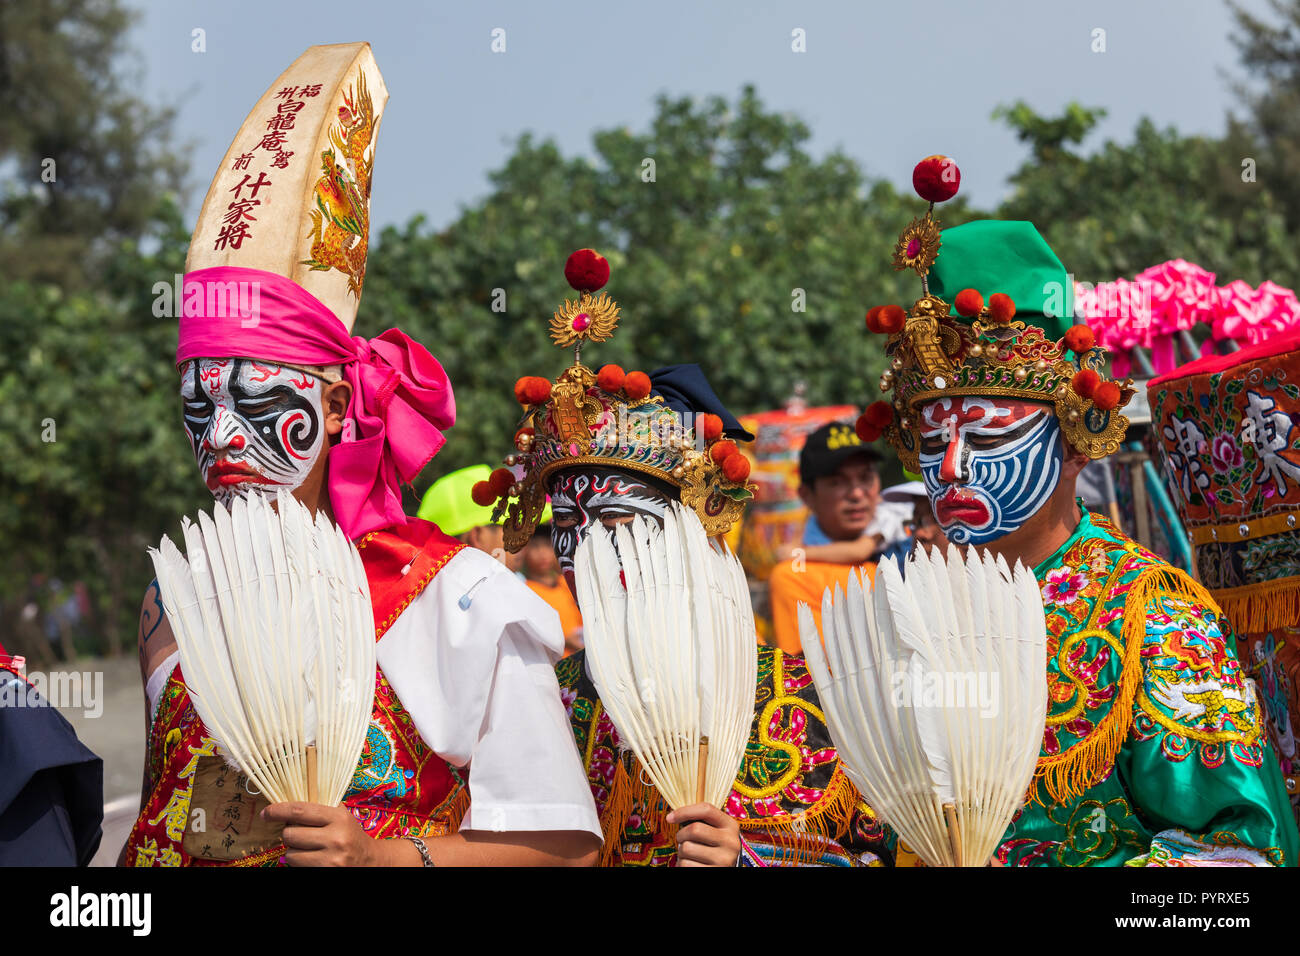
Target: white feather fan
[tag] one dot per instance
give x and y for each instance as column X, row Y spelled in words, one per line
column 272, row 617
column 935, row 693
column 673, row 653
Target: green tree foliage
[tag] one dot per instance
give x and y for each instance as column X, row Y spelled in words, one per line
column 1127, row 206
column 88, row 157
column 94, row 467
column 1269, row 131
column 705, row 263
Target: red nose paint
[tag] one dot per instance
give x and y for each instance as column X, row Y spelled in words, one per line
column 237, row 442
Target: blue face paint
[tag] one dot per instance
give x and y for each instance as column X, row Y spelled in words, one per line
column 989, row 464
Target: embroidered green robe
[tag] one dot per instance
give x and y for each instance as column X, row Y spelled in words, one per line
column 1153, row 752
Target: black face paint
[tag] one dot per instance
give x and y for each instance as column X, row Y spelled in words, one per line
column 583, row 500
column 251, row 423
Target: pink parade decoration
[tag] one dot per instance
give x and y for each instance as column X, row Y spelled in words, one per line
column 1172, row 298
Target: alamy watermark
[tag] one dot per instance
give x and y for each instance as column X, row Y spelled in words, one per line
column 66, row 690
column 215, row 300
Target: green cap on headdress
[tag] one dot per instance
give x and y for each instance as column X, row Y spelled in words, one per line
column 993, row 255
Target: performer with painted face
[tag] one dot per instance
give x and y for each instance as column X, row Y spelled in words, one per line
column 277, row 395
column 1152, row 753
column 608, row 446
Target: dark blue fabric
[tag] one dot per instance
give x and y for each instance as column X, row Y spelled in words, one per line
column 685, row 389
column 899, row 551
column 51, row 786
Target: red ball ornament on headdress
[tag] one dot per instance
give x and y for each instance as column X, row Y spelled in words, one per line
column 968, row 303
column 1080, row 339
column 1106, row 397
column 586, row 270
column 873, row 319
column 722, row 450
column 636, row 386
column 1085, row 383
column 1001, row 309
column 735, row 467
column 532, row 390
column 866, row 431
column 499, row 482
column 611, row 377
column 481, row 494
column 891, row 319
column 711, row 425
column 936, row 178
column 879, row 414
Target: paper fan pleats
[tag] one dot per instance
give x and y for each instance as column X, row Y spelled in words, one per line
column 673, row 651
column 935, row 693
column 272, row 617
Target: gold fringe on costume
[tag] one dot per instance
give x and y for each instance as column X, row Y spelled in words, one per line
column 1266, row 606
column 1068, row 775
column 801, row 838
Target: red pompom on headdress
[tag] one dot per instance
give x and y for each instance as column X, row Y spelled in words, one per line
column 711, row 425
column 721, row 451
column 499, row 482
column 1106, row 397
column 891, row 319
column 1080, row 339
column 879, row 414
column 1085, row 383
column 532, row 390
column 736, row 468
column 611, row 377
column 636, row 386
column 586, row 270
column 481, row 494
column 968, row 303
column 936, row 178
column 1001, row 309
column 866, row 431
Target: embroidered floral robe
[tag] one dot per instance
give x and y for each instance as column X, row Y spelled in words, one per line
column 1153, row 752
column 792, row 799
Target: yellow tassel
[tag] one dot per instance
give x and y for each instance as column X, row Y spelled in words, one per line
column 618, row 807
column 1266, row 606
column 801, row 838
column 1069, row 775
column 457, row 809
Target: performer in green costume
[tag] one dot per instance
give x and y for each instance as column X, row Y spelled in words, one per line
column 1153, row 752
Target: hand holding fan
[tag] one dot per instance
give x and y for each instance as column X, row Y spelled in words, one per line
column 672, row 652
column 935, row 693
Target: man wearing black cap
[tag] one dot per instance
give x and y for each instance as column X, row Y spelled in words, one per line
column 840, row 487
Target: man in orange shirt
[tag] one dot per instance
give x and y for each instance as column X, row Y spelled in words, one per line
column 840, row 486
column 542, row 570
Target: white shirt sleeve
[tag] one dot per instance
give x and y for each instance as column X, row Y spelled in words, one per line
column 472, row 660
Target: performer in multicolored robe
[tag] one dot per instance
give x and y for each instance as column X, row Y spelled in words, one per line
column 1153, row 752
column 468, row 758
column 610, row 445
column 1227, row 428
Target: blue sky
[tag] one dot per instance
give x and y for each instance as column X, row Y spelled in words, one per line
column 886, row 82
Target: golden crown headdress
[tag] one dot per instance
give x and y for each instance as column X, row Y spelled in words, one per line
column 608, row 418
column 932, row 354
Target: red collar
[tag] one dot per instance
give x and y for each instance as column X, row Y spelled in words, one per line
column 400, row 561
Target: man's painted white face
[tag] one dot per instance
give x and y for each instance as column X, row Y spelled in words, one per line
column 252, row 425
column 600, row 497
